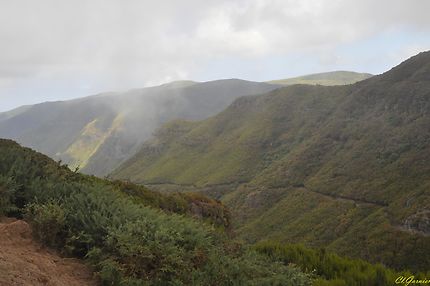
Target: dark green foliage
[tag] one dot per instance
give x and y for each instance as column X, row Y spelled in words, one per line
column 331, row 269
column 194, row 204
column 7, row 196
column 48, row 222
column 26, row 175
column 128, row 239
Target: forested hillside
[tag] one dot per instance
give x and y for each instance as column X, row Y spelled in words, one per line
column 97, row 133
column 344, row 167
column 133, row 236
column 122, row 232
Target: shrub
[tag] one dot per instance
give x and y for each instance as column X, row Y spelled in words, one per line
column 330, row 268
column 7, row 194
column 120, row 229
column 48, row 222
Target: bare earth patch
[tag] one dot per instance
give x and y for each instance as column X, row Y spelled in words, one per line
column 23, row 261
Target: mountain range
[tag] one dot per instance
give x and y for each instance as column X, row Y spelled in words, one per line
column 345, row 167
column 328, row 163
column 97, row 133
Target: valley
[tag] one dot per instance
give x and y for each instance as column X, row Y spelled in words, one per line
column 281, row 161
column 340, row 169
column 214, row 143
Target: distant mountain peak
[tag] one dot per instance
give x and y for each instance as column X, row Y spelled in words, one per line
column 178, row 84
column 416, row 68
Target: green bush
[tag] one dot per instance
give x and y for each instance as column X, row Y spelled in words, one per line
column 132, row 245
column 329, row 268
column 48, row 222
column 7, row 195
column 121, row 230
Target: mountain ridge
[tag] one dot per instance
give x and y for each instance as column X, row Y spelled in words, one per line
column 366, row 142
column 97, row 133
column 104, row 126
column 339, row 77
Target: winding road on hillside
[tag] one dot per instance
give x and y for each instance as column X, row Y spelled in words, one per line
column 346, row 198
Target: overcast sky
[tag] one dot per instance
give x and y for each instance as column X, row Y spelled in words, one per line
column 57, row 49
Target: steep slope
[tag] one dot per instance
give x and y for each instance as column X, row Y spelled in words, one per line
column 26, row 174
column 344, row 167
column 99, row 132
column 14, row 112
column 327, row 78
column 18, row 251
column 130, row 235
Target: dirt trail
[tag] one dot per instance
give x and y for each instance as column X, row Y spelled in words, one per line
column 25, row 262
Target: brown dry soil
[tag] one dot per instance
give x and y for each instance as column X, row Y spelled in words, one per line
column 23, row 261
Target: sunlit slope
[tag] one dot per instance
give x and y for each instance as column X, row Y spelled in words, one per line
column 344, row 167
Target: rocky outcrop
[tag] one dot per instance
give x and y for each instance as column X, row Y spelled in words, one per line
column 418, row 222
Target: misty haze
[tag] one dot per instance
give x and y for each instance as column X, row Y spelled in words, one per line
column 214, row 142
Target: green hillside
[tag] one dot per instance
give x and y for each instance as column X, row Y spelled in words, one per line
column 130, row 235
column 118, row 228
column 326, row 78
column 345, row 167
column 99, row 132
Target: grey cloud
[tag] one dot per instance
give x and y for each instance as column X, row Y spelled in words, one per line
column 123, row 44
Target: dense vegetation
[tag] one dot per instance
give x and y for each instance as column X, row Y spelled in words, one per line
column 99, row 132
column 331, row 269
column 327, row 78
column 342, row 167
column 127, row 242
